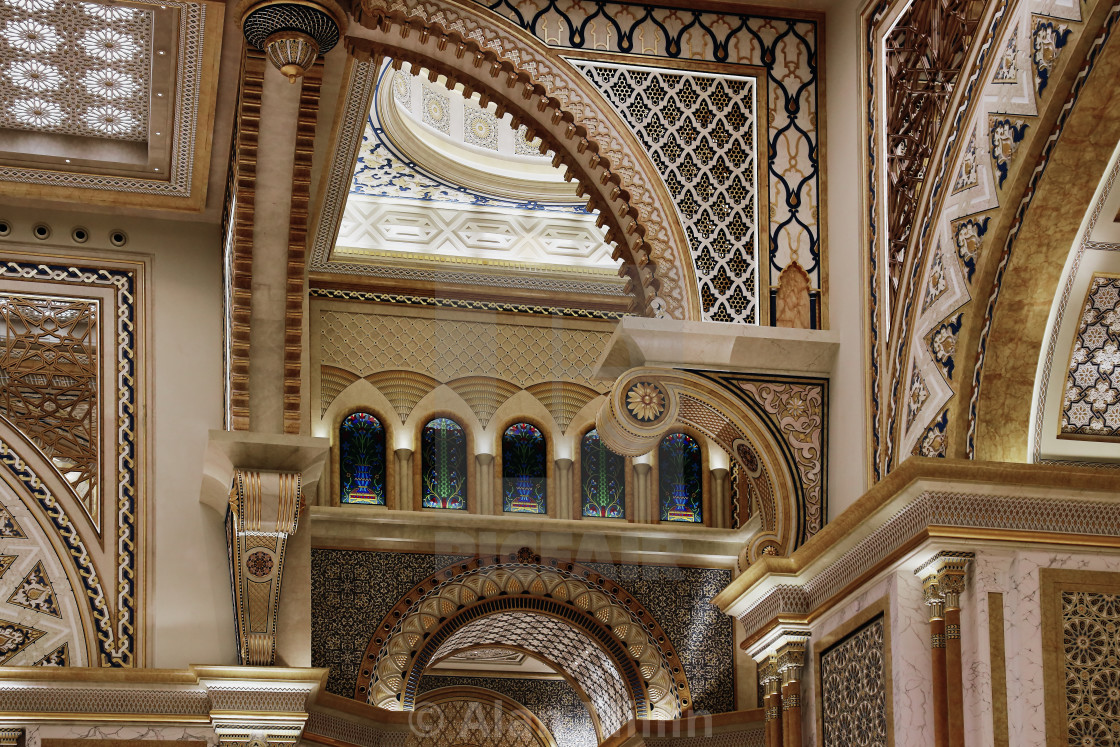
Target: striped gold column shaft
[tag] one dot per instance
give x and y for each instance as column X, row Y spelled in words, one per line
column 772, row 701
column 791, row 663
column 935, row 604
column 943, row 580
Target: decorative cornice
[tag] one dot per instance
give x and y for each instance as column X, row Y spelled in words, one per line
column 459, row 303
column 907, row 509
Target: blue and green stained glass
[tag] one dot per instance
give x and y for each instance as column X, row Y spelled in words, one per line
column 443, row 464
column 679, row 479
column 361, row 459
column 524, row 470
column 602, row 479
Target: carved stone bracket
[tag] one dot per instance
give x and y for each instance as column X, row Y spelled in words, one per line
column 263, row 511
column 267, row 477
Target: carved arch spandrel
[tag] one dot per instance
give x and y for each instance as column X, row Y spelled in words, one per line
column 647, row 403
column 485, row 52
column 410, row 634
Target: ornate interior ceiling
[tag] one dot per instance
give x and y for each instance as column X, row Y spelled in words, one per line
column 107, row 98
column 444, row 190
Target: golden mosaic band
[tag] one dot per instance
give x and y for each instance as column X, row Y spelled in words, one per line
column 953, row 632
column 937, row 641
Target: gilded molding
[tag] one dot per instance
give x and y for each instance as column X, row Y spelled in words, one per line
column 241, row 211
column 808, row 587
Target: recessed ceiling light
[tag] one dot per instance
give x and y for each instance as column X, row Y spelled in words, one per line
column 161, row 51
column 157, row 168
column 157, row 133
column 159, row 94
column 67, row 160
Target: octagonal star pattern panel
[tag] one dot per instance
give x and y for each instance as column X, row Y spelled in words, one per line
column 1091, row 402
column 1091, row 646
column 75, row 68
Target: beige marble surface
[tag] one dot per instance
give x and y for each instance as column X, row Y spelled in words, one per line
column 640, row 341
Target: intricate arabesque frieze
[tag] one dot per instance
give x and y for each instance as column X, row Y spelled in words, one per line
column 449, row 349
column 50, row 384
column 700, row 132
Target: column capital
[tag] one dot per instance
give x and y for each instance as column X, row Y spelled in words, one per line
column 945, row 573
column 788, row 637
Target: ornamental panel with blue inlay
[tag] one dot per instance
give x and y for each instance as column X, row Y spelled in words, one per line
column 602, row 479
column 443, row 465
column 680, row 484
column 524, row 470
column 361, row 462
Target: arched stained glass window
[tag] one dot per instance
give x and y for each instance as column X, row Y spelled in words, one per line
column 361, row 459
column 679, row 479
column 443, row 464
column 602, row 479
column 524, row 470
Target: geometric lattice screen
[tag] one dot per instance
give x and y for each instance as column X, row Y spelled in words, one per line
column 699, row 130
column 75, row 68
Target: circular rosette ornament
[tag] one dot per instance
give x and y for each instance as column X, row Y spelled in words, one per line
column 639, row 411
column 646, row 402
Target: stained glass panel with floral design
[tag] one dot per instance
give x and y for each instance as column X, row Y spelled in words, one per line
column 361, row 460
column 680, row 484
column 602, row 479
column 524, row 470
column 443, row 465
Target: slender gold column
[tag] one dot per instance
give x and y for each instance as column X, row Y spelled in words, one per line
column 951, row 579
column 791, row 662
column 936, row 606
column 772, row 701
column 943, row 579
